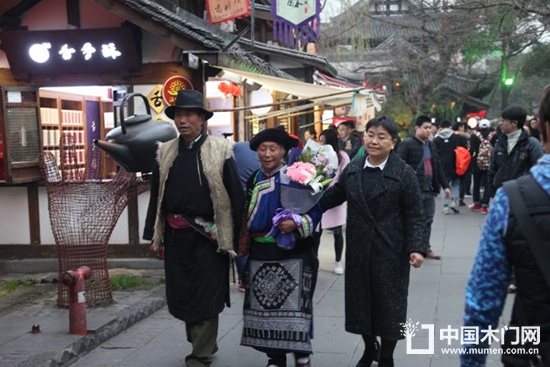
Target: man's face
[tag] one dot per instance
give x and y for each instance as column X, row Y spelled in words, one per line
column 343, row 131
column 189, row 123
column 423, row 132
column 508, row 126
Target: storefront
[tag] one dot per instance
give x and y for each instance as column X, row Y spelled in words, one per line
column 56, row 79
column 275, row 101
column 102, row 50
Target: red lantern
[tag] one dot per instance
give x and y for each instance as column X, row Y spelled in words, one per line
column 224, row 88
column 238, row 91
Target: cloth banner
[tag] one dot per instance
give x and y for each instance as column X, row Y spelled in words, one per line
column 223, row 10
column 296, row 22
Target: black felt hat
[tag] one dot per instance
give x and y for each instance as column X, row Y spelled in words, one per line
column 275, row 135
column 188, row 99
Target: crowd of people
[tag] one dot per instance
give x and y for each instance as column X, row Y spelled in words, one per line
column 212, row 203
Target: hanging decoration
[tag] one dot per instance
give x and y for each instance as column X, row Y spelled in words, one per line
column 481, row 114
column 358, row 104
column 223, row 10
column 230, row 89
column 296, row 22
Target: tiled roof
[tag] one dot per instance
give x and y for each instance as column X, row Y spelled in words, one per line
column 399, row 25
column 195, row 28
column 381, row 26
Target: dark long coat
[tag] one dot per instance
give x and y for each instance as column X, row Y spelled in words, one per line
column 380, row 235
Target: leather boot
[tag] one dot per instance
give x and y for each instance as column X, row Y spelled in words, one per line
column 369, row 355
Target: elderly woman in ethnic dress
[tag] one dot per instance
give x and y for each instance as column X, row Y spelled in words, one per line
column 384, row 237
column 278, row 311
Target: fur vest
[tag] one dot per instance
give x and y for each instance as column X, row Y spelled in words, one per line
column 213, row 153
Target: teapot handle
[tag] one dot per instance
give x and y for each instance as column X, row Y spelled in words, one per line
column 124, row 100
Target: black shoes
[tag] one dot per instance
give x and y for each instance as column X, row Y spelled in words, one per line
column 369, row 356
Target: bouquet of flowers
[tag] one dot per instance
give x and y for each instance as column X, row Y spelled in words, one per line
column 303, row 181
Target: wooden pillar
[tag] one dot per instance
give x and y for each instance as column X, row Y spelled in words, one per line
column 318, row 119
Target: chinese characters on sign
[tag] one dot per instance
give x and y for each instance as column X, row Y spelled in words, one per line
column 155, row 99
column 224, row 10
column 79, row 51
column 40, row 52
column 172, row 86
column 296, row 22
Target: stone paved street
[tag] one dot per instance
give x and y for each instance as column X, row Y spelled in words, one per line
column 436, row 297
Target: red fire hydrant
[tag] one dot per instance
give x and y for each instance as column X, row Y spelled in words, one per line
column 76, row 280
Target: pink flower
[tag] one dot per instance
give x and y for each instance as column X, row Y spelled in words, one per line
column 320, row 159
column 302, row 172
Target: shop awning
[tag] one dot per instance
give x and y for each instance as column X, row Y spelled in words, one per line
column 317, row 94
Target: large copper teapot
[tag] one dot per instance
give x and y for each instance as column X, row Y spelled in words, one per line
column 133, row 145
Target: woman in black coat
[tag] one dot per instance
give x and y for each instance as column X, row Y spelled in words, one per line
column 384, row 236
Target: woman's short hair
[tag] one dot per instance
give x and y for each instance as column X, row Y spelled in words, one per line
column 386, row 123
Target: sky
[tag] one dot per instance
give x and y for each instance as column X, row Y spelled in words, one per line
column 333, row 8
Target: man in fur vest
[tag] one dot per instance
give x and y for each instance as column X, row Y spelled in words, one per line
column 194, row 213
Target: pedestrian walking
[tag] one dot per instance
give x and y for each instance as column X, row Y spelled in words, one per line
column 385, row 236
column 446, row 142
column 515, row 152
column 421, row 154
column 482, row 149
column 279, row 282
column 247, row 163
column 515, row 236
column 333, row 219
column 194, row 212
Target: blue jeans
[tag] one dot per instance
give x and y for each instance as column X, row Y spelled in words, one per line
column 240, row 263
column 428, row 202
column 455, row 191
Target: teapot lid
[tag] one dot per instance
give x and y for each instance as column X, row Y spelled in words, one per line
column 137, row 119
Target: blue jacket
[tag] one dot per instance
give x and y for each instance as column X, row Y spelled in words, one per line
column 488, row 282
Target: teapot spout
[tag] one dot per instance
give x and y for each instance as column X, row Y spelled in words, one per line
column 120, row 153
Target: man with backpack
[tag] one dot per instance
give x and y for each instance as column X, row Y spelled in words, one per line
column 447, row 142
column 515, row 235
column 482, row 149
